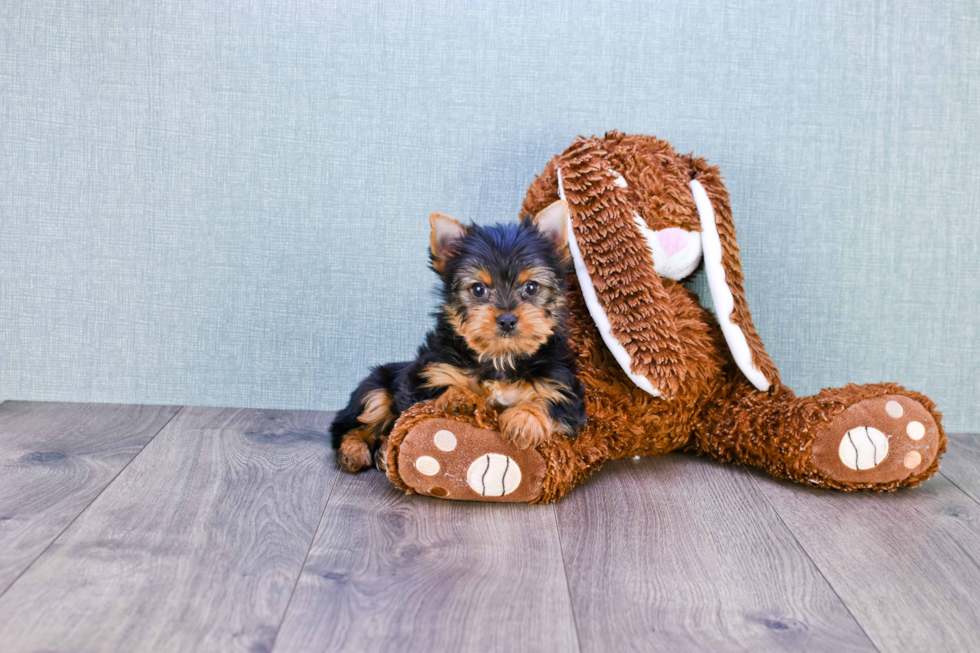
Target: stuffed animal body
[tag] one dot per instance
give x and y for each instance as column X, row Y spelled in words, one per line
column 662, row 373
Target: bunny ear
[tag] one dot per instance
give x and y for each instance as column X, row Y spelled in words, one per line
column 723, row 268
column 624, row 294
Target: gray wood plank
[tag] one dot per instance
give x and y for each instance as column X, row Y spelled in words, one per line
column 678, row 553
column 55, row 458
column 961, row 464
column 196, row 545
column 390, row 572
column 905, row 563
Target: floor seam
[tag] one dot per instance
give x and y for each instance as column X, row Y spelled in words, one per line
column 957, row 486
column 89, row 504
column 802, row 548
column 568, row 585
column 306, row 558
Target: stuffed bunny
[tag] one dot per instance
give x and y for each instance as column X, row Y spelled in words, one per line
column 660, row 372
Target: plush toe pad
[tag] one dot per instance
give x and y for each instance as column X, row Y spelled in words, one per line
column 879, row 440
column 454, row 460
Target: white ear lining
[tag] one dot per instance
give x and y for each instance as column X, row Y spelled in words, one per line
column 721, row 294
column 676, row 264
column 681, row 263
column 596, row 311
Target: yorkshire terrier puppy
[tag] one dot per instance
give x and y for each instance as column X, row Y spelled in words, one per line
column 500, row 334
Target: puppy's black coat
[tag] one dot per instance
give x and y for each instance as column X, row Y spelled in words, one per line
column 502, row 319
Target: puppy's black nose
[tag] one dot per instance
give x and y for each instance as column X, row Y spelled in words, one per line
column 507, row 322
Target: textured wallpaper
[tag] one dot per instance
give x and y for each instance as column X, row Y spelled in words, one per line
column 226, row 203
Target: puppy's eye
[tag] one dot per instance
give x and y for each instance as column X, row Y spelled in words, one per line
column 478, row 290
column 531, row 288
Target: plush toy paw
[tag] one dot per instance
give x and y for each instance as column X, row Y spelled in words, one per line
column 454, row 460
column 878, row 441
column 526, row 426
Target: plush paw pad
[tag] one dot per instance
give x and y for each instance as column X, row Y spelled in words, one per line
column 863, row 447
column 878, row 440
column 494, row 475
column 454, row 460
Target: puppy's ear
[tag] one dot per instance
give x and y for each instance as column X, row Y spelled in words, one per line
column 552, row 222
column 445, row 232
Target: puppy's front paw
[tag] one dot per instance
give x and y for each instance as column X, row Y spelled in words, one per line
column 526, row 426
column 455, row 399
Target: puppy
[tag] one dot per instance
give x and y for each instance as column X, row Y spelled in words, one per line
column 500, row 334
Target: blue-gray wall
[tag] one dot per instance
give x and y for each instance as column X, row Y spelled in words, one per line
column 225, row 202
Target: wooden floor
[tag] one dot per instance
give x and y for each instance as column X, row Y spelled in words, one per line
column 138, row 528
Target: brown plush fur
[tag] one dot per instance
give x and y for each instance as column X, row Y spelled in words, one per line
column 620, row 266
column 708, row 406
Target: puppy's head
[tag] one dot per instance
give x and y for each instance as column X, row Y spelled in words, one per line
column 503, row 285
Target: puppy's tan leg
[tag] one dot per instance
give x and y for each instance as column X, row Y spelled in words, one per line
column 380, row 452
column 526, row 420
column 527, row 424
column 360, row 447
column 461, row 389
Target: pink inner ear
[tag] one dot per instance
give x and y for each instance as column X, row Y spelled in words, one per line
column 672, row 240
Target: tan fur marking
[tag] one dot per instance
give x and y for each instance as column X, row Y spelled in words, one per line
column 534, row 327
column 526, row 421
column 483, row 277
column 445, row 230
column 379, row 453
column 354, row 453
column 512, row 393
column 541, row 275
column 527, row 424
column 479, row 330
column 552, row 222
column 439, row 375
column 552, row 392
column 377, row 409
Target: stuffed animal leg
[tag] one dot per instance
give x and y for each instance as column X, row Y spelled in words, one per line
column 871, row 437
